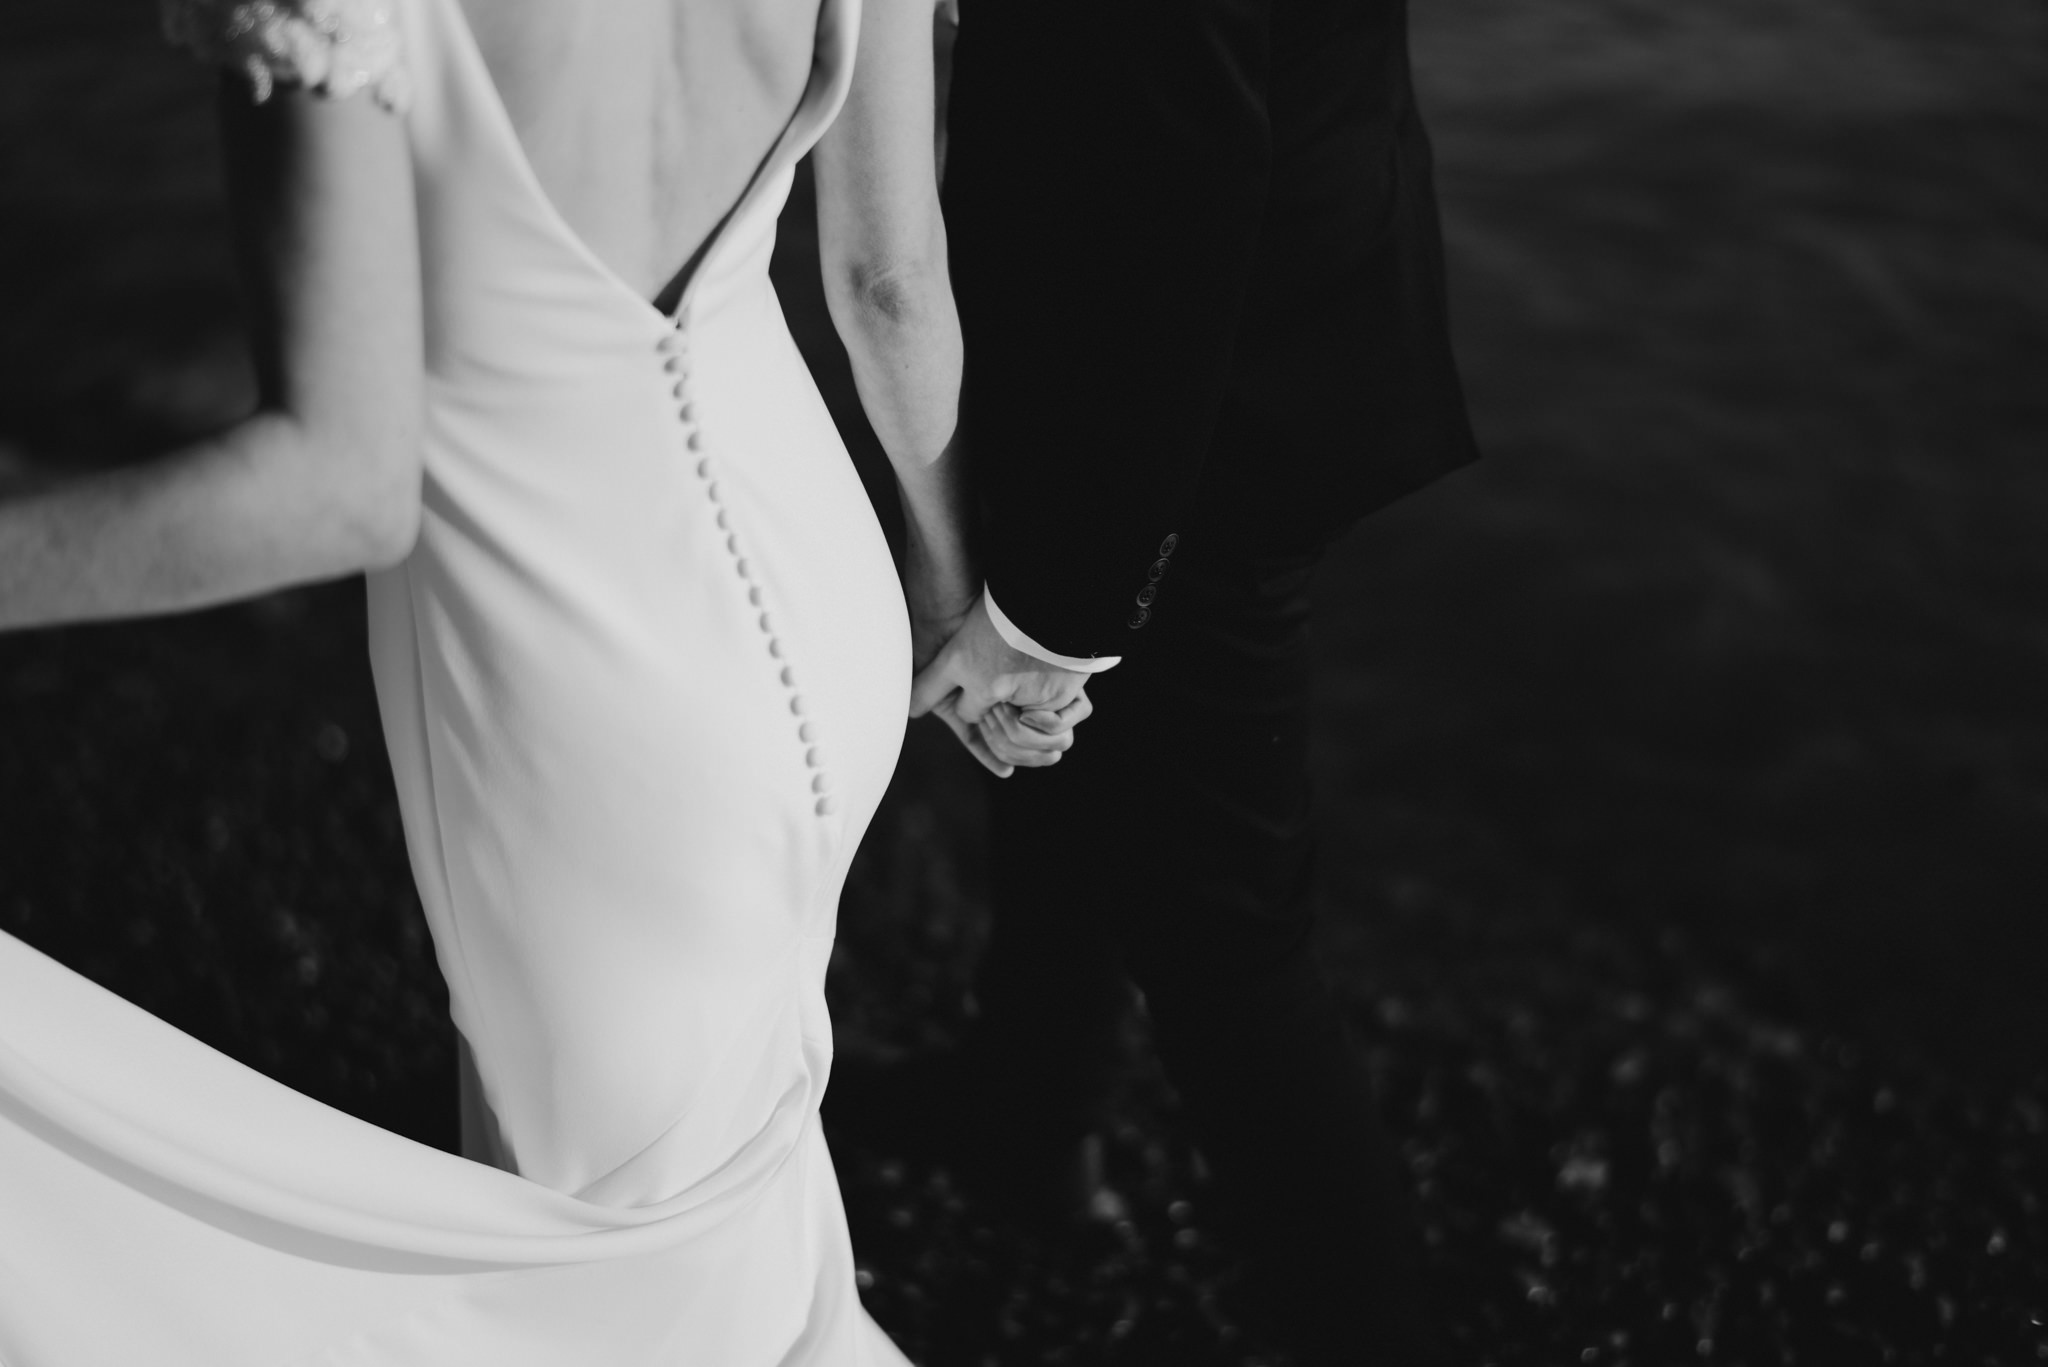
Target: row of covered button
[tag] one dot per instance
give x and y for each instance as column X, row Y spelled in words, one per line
column 675, row 361
column 1153, row 575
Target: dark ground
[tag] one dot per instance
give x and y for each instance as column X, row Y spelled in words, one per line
column 1686, row 764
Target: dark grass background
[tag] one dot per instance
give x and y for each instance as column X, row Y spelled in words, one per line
column 1685, row 764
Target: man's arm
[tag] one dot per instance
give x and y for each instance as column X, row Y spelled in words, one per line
column 1104, row 197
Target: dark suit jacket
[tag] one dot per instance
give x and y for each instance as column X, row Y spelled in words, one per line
column 1196, row 252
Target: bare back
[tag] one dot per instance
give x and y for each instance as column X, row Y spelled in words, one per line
column 646, row 119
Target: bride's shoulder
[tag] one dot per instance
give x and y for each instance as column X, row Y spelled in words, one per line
column 329, row 47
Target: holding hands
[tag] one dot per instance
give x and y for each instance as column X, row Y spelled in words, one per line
column 1008, row 708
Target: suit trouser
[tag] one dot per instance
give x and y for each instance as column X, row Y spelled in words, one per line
column 1173, row 845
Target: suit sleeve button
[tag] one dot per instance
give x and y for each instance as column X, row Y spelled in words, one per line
column 1139, row 618
column 1166, row 546
column 1146, row 595
column 1158, row 569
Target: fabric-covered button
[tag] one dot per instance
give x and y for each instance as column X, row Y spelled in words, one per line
column 1166, row 546
column 1146, row 595
column 1139, row 618
column 821, row 783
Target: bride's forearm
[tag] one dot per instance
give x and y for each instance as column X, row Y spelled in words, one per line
column 934, row 500
column 260, row 507
column 903, row 339
column 325, row 478
column 882, row 248
column 902, row 336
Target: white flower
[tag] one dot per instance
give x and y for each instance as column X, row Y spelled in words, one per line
column 333, row 48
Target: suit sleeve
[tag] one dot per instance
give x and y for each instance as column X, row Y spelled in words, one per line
column 1103, row 200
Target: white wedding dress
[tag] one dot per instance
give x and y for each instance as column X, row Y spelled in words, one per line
column 643, row 682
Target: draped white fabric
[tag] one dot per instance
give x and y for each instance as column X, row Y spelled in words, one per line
column 161, row 1203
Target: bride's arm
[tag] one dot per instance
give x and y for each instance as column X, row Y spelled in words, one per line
column 882, row 245
column 324, row 478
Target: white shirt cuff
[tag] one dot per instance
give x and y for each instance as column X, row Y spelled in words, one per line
column 1007, row 629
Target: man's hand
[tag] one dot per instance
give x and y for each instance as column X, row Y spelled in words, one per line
column 1007, row 708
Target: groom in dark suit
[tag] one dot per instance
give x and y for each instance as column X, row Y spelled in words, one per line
column 1196, row 253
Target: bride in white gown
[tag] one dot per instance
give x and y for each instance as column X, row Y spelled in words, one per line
column 643, row 662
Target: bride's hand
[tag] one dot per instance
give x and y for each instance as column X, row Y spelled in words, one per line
column 1008, row 708
column 1007, row 737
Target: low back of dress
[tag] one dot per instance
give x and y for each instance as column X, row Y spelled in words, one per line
column 643, row 680
column 644, row 120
